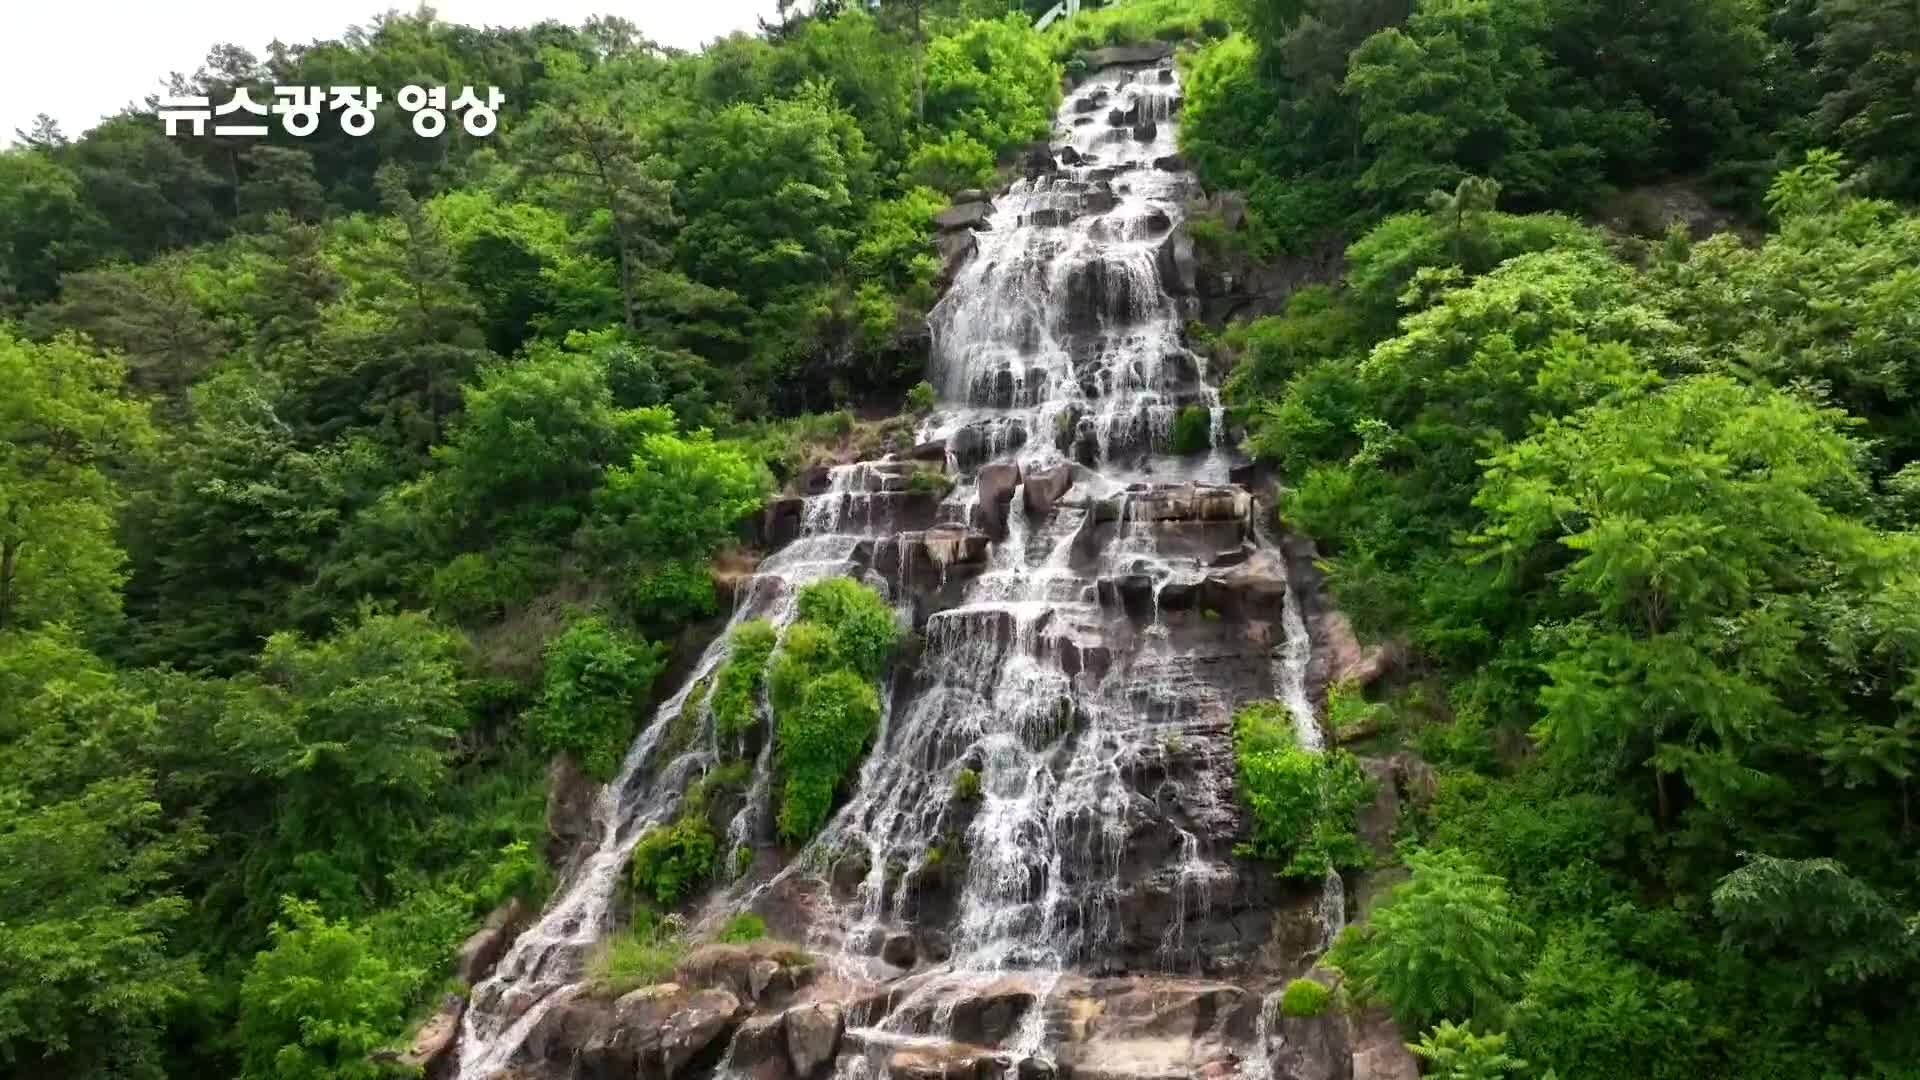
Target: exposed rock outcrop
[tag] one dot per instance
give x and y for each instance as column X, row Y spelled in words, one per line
column 972, row 215
column 483, row 949
column 570, row 798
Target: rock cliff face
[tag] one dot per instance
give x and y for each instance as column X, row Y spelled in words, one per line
column 1089, row 609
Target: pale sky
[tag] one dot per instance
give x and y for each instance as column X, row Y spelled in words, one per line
column 81, row 60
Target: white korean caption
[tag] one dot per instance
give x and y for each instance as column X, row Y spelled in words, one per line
column 356, row 109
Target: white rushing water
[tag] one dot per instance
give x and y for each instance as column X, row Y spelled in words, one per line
column 1057, row 347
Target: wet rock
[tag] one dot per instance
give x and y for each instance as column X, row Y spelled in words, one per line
column 1067, row 155
column 570, row 799
column 1115, row 55
column 1165, row 75
column 1124, row 118
column 996, row 484
column 759, row 1048
column 1090, row 103
column 1176, row 262
column 1082, row 121
column 1099, row 201
column 1170, row 163
column 813, row 1037
column 900, row 950
column 1037, row 159
column 972, row 195
column 955, row 249
column 935, row 450
column 1146, row 131
column 981, row 1014
column 1045, row 487
column 953, row 545
column 971, row 215
column 1049, row 217
column 967, row 445
column 1157, row 221
column 655, row 1031
column 483, row 950
column 1099, row 292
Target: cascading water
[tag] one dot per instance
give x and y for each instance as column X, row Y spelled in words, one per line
column 1077, row 669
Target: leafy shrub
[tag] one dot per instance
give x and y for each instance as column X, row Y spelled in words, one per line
column 743, row 927
column 825, row 705
column 920, row 399
column 594, row 680
column 864, row 629
column 660, row 597
column 1192, row 431
column 737, row 688
column 966, row 785
column 819, row 742
column 1445, row 945
column 669, row 863
column 319, row 1000
column 1304, row 997
column 1303, row 803
column 1454, row 1052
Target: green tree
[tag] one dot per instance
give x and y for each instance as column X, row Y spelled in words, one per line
column 90, row 913
column 1446, row 944
column 62, row 421
column 594, row 684
column 317, row 1003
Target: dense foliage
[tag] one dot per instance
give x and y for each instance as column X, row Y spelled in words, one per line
column 1330, row 114
column 1303, row 802
column 344, row 481
column 1643, row 513
column 825, row 706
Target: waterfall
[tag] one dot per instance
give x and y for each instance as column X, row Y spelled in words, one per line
column 1075, row 664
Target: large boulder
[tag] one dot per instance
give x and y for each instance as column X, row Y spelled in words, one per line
column 759, row 1048
column 656, row 1032
column 996, row 484
column 484, row 949
column 813, row 1037
column 1044, row 488
column 971, row 215
column 1311, row 1047
column 760, row 972
column 955, row 249
column 1175, row 260
column 1146, row 131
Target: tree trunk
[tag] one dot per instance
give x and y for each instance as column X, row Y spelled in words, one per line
column 9, row 556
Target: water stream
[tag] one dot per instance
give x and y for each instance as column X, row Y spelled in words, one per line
column 1059, row 361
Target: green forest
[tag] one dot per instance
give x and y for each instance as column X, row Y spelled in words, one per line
column 344, row 482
